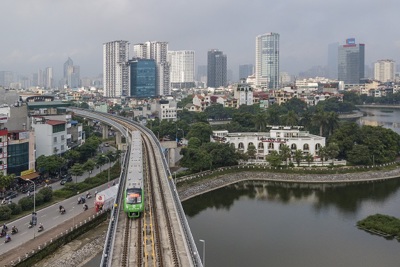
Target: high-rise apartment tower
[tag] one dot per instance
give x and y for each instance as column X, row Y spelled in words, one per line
column 116, row 69
column 216, row 68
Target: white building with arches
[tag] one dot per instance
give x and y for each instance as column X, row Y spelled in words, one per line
column 265, row 142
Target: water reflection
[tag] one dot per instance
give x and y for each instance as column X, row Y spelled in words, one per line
column 347, row 198
column 387, row 118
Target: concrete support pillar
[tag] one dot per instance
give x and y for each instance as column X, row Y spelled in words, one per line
column 105, row 131
column 118, row 141
column 171, row 156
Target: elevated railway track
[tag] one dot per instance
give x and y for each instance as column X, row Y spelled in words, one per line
column 161, row 236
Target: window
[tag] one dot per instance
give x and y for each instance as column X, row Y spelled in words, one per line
column 55, row 139
column 317, row 146
column 270, row 145
column 306, row 147
column 62, row 147
column 240, row 146
column 261, row 145
column 293, row 147
column 62, row 137
column 1, row 150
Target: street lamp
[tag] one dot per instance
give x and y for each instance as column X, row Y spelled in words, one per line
column 204, row 251
column 34, row 205
column 109, row 161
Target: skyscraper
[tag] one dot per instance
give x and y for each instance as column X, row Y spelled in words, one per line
column 333, row 60
column 384, row 70
column 182, row 68
column 216, row 68
column 143, row 77
column 351, row 58
column 157, row 51
column 115, row 68
column 49, row 78
column 267, row 60
column 67, row 64
column 245, row 71
column 72, row 75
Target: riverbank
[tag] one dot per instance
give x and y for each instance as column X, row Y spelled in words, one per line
column 202, row 184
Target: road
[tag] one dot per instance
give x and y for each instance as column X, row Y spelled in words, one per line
column 50, row 216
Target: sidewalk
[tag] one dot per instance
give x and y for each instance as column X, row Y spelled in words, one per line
column 28, row 247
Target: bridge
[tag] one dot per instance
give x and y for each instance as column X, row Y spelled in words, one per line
column 161, row 237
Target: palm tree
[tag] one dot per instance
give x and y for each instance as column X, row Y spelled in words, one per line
column 260, row 121
column 284, row 151
column 291, row 118
column 322, row 153
column 298, row 156
column 320, row 119
column 332, row 121
column 309, row 158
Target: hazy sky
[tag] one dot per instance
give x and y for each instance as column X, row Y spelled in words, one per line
column 42, row 33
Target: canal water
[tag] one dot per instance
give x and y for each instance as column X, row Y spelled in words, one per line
column 280, row 224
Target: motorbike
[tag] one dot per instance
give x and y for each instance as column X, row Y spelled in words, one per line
column 40, row 229
column 8, row 239
column 88, row 196
column 14, row 230
column 62, row 211
column 31, row 224
column 81, row 200
column 85, row 207
column 3, row 233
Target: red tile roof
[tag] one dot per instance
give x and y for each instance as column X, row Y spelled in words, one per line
column 55, row 122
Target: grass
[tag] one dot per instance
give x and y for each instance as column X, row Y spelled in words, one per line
column 381, row 224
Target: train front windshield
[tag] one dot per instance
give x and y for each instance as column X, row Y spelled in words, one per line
column 133, row 196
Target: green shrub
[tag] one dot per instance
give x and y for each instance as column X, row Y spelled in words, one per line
column 15, row 208
column 39, row 199
column 5, row 213
column 26, row 203
column 47, row 193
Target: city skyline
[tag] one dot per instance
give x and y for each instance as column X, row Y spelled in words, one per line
column 39, row 35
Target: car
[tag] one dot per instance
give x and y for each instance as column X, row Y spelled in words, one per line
column 67, row 179
column 11, row 195
column 106, row 144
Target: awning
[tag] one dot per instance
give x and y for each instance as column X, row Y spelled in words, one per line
column 30, row 176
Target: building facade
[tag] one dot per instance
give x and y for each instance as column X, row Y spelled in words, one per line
column 245, row 71
column 267, row 60
column 21, row 151
column 216, row 68
column 384, row 70
column 266, row 142
column 115, row 69
column 143, row 78
column 50, row 136
column 158, row 51
column 244, row 94
column 182, row 68
column 3, row 144
column 351, row 61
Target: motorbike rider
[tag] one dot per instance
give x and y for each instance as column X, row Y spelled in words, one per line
column 8, row 238
column 5, row 228
column 41, row 227
column 85, row 207
column 14, row 229
column 88, row 195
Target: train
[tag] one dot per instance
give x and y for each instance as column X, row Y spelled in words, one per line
column 133, row 193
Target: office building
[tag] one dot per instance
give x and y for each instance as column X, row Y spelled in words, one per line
column 384, row 70
column 351, row 58
column 182, row 68
column 6, row 77
column 245, row 71
column 333, row 61
column 115, row 68
column 267, row 60
column 216, row 68
column 143, row 78
column 157, row 51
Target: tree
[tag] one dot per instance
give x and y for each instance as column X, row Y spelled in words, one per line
column 322, row 153
column 359, row 155
column 72, row 155
column 298, row 156
column 320, row 119
column 260, row 121
column 332, row 121
column 6, row 180
column 309, row 158
column 77, row 170
column 332, row 150
column 200, row 130
column 195, row 159
column 194, row 142
column 284, row 152
column 291, row 118
column 89, row 166
column 274, row 159
column 49, row 164
column 251, row 151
